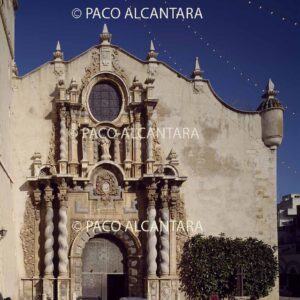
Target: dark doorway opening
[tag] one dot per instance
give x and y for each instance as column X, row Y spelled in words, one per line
column 104, row 269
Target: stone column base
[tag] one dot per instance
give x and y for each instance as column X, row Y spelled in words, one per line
column 63, row 288
column 162, row 288
column 48, row 288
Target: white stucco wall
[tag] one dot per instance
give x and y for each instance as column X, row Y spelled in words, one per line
column 9, row 278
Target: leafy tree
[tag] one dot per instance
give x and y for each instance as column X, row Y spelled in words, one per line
column 260, row 267
column 209, row 266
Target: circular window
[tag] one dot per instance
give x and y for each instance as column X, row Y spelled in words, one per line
column 105, row 101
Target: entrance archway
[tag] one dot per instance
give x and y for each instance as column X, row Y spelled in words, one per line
column 127, row 251
column 104, row 267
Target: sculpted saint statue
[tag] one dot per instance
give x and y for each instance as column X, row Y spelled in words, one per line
column 105, row 144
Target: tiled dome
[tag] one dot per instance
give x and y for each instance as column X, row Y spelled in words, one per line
column 269, row 100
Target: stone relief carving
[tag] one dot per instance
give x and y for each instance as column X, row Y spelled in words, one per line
column 51, row 153
column 58, row 72
column 27, row 237
column 106, row 186
column 165, row 290
column 152, row 70
column 157, row 150
column 92, row 69
column 105, row 57
column 117, row 65
column 153, row 290
column 197, row 87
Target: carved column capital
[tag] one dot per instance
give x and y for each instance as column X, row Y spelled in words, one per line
column 48, row 197
column 152, row 194
column 164, row 195
column 37, row 200
column 137, row 115
column 63, row 194
column 37, row 196
column 63, row 113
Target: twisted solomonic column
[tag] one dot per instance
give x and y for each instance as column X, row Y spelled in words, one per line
column 49, row 240
column 63, row 232
column 164, row 234
column 152, row 240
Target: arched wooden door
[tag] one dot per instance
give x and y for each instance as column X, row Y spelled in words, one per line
column 103, row 270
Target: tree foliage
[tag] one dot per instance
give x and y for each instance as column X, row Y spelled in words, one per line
column 209, row 266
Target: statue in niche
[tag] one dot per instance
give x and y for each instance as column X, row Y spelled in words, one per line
column 105, row 145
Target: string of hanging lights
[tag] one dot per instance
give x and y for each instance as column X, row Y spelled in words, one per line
column 273, row 12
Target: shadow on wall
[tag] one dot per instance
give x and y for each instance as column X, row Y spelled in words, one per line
column 1, row 297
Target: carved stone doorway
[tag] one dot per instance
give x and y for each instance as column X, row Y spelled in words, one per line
column 104, row 269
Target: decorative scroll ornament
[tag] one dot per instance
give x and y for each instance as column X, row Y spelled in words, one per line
column 117, row 65
column 92, row 69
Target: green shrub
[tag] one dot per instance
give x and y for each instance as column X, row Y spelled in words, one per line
column 209, row 266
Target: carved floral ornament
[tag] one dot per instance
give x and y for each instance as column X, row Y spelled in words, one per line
column 105, row 185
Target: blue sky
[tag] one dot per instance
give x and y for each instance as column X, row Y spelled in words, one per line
column 240, row 45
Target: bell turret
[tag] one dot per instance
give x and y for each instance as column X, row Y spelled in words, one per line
column 271, row 112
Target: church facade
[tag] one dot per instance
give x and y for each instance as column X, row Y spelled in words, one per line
column 98, row 184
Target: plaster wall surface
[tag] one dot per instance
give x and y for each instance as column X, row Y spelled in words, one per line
column 9, row 278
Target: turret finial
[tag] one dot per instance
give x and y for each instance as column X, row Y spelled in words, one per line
column 152, row 55
column 271, row 112
column 152, row 48
column 270, row 86
column 197, row 73
column 58, row 47
column 270, row 90
column 58, row 54
column 105, row 36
